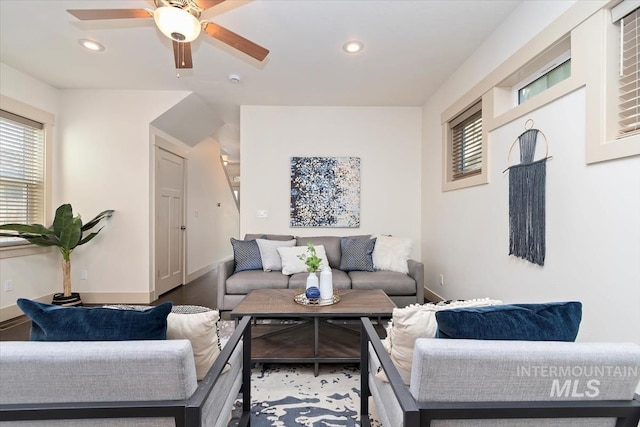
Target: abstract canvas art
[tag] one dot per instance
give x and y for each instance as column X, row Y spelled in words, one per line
column 325, row 192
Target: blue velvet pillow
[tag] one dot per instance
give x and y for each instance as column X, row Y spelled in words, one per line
column 246, row 255
column 56, row 323
column 356, row 254
column 556, row 321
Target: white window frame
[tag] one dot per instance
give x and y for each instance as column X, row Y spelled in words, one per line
column 603, row 141
column 545, row 69
column 449, row 117
column 22, row 248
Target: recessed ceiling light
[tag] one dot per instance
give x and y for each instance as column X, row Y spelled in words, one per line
column 354, row 46
column 234, row 78
column 91, row 45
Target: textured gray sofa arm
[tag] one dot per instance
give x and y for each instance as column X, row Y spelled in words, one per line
column 186, row 413
column 225, row 270
column 416, row 271
column 626, row 412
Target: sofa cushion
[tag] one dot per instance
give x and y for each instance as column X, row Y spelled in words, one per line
column 271, row 260
column 413, row 322
column 245, row 281
column 331, row 247
column 340, row 280
column 56, row 323
column 477, row 370
column 356, row 254
column 390, row 282
column 556, row 321
column 291, row 262
column 246, row 255
column 391, row 254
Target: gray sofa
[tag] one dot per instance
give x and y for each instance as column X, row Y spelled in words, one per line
column 121, row 383
column 474, row 383
column 403, row 289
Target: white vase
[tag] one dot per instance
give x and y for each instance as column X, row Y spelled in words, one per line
column 326, row 284
column 312, row 280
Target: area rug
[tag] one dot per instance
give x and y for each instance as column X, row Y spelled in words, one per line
column 290, row 395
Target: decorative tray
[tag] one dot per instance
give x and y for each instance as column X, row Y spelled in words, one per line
column 302, row 299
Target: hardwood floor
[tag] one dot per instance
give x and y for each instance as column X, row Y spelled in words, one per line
column 202, row 291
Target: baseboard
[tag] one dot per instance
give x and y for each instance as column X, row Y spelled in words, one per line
column 12, row 311
column 201, row 272
column 429, row 295
column 117, row 297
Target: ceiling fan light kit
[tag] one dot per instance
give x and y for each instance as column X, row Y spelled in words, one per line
column 177, row 24
column 179, row 20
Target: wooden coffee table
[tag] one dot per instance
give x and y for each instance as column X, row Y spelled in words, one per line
column 327, row 334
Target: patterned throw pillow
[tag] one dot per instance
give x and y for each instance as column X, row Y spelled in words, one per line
column 246, row 255
column 356, row 254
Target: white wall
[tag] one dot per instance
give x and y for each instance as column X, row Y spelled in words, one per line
column 212, row 214
column 46, row 278
column 104, row 164
column 387, row 140
column 592, row 212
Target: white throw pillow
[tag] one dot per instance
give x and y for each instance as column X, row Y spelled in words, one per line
column 202, row 330
column 417, row 321
column 291, row 264
column 271, row 260
column 391, row 253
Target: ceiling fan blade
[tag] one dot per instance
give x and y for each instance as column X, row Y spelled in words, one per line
column 235, row 40
column 94, row 14
column 182, row 55
column 206, row 4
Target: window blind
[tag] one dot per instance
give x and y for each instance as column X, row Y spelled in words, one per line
column 466, row 143
column 21, row 169
column 629, row 105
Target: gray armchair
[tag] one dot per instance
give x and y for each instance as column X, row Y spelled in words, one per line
column 123, row 383
column 492, row 383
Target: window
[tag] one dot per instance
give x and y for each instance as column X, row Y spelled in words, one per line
column 629, row 82
column 548, row 76
column 22, row 187
column 466, row 143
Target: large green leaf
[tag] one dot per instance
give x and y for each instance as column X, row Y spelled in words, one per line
column 71, row 235
column 64, row 217
column 27, row 228
column 102, row 215
column 88, row 237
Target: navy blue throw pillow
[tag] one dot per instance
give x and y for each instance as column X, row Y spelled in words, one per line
column 56, row 323
column 357, row 254
column 556, row 321
column 246, row 255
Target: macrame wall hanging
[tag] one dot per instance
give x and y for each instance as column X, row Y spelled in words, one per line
column 527, row 198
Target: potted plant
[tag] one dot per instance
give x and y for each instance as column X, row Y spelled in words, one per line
column 66, row 233
column 312, row 261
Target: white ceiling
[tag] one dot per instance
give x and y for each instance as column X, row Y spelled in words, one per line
column 411, row 47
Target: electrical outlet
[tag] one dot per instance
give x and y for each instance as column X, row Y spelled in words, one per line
column 262, row 213
column 441, row 279
column 83, row 275
column 8, row 286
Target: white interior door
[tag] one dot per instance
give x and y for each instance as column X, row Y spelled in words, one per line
column 169, row 234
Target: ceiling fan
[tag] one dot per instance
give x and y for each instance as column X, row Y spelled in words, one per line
column 179, row 20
